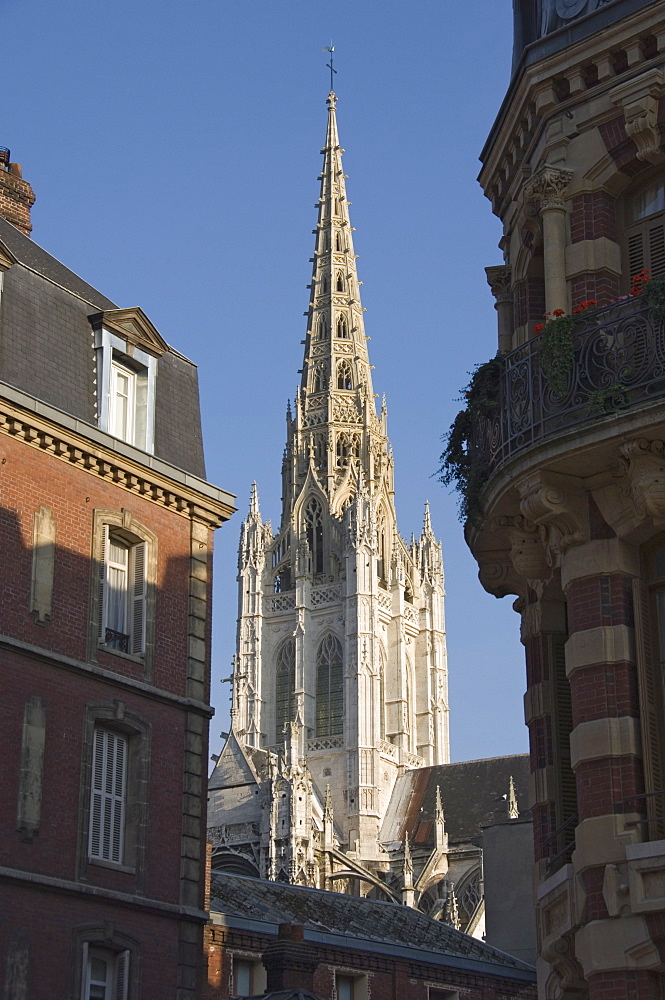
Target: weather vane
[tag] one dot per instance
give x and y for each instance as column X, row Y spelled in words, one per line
column 330, row 48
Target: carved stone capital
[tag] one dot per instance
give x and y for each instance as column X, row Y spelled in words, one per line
column 548, row 186
column 499, row 278
column 561, row 956
column 557, row 505
column 529, row 557
column 497, row 574
column 638, row 99
column 645, row 468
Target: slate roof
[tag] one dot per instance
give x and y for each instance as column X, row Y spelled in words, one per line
column 473, row 795
column 30, row 254
column 372, row 920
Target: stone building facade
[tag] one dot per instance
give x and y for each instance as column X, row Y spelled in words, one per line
column 571, row 517
column 106, row 522
column 340, row 680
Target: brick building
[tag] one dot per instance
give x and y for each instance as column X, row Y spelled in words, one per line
column 276, row 936
column 563, row 471
column 106, row 522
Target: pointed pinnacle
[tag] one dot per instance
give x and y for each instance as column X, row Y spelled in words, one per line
column 513, row 810
column 254, row 500
column 439, row 805
column 427, row 521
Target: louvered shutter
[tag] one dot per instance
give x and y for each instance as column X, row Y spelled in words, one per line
column 656, row 263
column 636, row 253
column 101, row 606
column 108, row 794
column 138, row 594
column 85, row 973
column 651, row 713
column 121, row 984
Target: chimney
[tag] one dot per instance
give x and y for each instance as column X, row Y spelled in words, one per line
column 16, row 195
column 289, row 962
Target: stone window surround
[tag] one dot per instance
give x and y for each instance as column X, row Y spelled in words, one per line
column 114, row 716
column 103, row 935
column 110, row 347
column 133, row 531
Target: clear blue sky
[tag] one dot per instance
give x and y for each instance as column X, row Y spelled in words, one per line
column 174, row 151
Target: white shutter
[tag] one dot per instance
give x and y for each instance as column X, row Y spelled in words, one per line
column 101, row 609
column 138, row 594
column 121, row 984
column 85, row 973
column 108, row 796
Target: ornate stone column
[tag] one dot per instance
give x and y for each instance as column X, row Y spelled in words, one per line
column 499, row 279
column 549, row 187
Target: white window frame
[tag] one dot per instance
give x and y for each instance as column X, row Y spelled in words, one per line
column 114, row 352
column 358, row 984
column 133, row 595
column 257, row 975
column 116, row 984
column 108, row 796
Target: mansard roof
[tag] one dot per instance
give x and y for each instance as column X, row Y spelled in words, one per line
column 48, row 311
column 473, row 795
column 366, row 924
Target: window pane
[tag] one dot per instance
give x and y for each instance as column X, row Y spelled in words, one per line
column 344, row 988
column 650, row 200
column 243, row 983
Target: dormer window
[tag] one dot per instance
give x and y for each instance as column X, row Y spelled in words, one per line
column 127, row 348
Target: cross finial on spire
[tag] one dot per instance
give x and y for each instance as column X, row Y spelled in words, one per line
column 331, row 48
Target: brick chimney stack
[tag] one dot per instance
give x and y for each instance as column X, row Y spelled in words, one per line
column 288, row 961
column 16, row 195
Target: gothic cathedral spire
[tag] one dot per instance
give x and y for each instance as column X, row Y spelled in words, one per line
column 341, row 664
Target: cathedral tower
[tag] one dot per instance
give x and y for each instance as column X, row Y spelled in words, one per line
column 341, row 659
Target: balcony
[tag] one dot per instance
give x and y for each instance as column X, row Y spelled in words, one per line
column 619, row 365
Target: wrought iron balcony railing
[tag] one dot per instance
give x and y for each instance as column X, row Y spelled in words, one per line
column 619, row 364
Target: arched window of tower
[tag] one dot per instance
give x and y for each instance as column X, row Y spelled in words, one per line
column 342, row 328
column 329, row 688
column 314, row 533
column 318, row 379
column 325, row 284
column 339, row 243
column 340, row 281
column 344, row 378
column 285, row 684
column 322, row 329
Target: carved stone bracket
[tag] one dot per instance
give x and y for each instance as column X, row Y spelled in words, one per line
column 639, row 99
column 531, row 560
column 569, row 982
column 558, row 506
column 645, row 467
column 548, row 186
column 497, row 574
column 499, row 278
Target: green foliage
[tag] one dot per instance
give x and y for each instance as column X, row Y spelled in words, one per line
column 556, row 352
column 608, row 400
column 653, row 296
column 467, row 473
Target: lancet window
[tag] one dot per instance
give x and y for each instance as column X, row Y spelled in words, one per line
column 339, row 243
column 322, row 329
column 340, row 282
column 382, row 555
column 321, row 452
column 318, row 379
column 344, row 377
column 342, row 328
column 325, row 284
column 348, row 446
column 329, row 688
column 314, row 533
column 285, row 700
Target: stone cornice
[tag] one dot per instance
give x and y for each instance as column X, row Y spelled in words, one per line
column 71, row 440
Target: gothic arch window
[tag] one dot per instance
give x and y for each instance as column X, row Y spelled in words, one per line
column 645, row 228
column 382, row 693
column 325, row 284
column 339, row 243
column 340, row 282
column 329, row 688
column 326, row 239
column 381, row 549
column 322, row 329
column 285, row 699
column 342, row 328
column 314, row 533
column 321, row 453
column 344, row 378
column 318, row 379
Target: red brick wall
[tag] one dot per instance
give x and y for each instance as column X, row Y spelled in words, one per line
column 29, row 479
column 16, row 198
